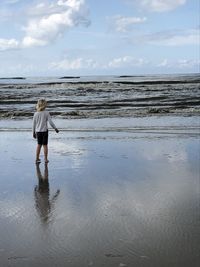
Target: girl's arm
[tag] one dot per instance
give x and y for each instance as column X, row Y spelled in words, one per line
column 51, row 123
column 34, row 126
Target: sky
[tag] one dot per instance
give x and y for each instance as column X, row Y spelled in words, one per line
column 105, row 37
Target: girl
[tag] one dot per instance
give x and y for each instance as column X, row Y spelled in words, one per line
column 40, row 129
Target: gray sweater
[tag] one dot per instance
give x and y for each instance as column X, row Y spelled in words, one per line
column 40, row 121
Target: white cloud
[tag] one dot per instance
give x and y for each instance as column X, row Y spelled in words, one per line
column 163, row 63
column 74, row 64
column 6, row 44
column 189, row 37
column 81, row 63
column 53, row 20
column 123, row 24
column 188, row 63
column 56, row 7
column 127, row 61
column 43, row 9
column 48, row 22
column 179, row 64
column 170, row 38
column 10, row 1
column 159, row 5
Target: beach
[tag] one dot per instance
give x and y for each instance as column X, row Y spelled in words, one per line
column 113, row 194
column 122, row 186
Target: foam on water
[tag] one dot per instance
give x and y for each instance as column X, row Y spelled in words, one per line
column 102, row 97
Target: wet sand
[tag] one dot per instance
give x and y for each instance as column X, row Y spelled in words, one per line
column 111, row 199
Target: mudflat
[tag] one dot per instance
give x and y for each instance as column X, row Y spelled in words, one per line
column 106, row 198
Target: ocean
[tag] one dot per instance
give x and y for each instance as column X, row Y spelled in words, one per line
column 102, row 96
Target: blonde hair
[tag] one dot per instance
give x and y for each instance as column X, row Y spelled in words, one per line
column 41, row 105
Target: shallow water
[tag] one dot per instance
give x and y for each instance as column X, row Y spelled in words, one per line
column 102, row 96
column 105, row 199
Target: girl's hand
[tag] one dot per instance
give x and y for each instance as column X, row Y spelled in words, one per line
column 34, row 135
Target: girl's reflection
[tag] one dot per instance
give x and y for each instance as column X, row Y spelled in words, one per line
column 44, row 204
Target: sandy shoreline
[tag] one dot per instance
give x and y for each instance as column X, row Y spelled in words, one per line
column 111, row 199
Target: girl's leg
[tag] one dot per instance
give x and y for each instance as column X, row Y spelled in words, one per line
column 45, row 152
column 38, row 149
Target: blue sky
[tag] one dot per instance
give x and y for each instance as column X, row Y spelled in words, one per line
column 88, row 37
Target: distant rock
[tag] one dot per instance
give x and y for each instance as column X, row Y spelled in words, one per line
column 13, row 78
column 126, row 76
column 70, row 77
